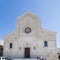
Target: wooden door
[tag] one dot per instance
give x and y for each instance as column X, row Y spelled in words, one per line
column 27, row 52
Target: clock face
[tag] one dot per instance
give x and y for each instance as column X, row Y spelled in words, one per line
column 27, row 30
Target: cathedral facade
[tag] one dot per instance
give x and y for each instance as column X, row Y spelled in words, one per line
column 30, row 40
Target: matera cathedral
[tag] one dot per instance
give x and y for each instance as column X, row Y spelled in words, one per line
column 29, row 40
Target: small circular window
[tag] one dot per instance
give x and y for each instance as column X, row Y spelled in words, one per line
column 27, row 30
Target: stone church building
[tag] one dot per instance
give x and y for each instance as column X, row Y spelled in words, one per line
column 30, row 40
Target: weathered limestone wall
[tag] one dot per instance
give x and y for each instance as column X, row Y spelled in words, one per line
column 35, row 38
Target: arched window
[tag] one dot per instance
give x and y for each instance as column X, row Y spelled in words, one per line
column 10, row 45
column 45, row 44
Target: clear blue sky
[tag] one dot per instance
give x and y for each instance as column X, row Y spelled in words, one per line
column 47, row 10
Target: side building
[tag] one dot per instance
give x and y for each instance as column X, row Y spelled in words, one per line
column 1, row 47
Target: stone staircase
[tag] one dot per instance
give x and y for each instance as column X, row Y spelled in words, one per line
column 26, row 59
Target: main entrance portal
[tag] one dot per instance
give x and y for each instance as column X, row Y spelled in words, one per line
column 27, row 52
